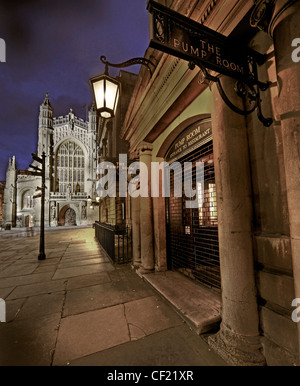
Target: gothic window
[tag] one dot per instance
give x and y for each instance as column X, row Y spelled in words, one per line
column 27, row 200
column 69, row 167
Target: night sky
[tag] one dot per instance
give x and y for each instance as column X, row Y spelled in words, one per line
column 54, row 46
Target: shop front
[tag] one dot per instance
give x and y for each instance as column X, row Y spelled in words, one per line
column 192, row 233
column 241, row 239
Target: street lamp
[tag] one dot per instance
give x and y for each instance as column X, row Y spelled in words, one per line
column 106, row 90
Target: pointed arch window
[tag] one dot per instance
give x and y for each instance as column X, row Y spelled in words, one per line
column 27, row 200
column 70, row 167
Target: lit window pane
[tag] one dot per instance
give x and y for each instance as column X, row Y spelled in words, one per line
column 99, row 93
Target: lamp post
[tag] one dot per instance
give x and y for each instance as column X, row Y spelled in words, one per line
column 40, row 172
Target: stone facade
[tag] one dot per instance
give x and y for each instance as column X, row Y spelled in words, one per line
column 2, row 187
column 256, row 171
column 71, row 153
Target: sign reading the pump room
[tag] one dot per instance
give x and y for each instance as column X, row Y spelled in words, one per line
column 182, row 37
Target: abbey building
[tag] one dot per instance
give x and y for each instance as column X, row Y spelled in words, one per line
column 70, row 146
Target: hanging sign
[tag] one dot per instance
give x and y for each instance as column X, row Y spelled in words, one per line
column 182, row 37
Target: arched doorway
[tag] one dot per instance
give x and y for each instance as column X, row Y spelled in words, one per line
column 67, row 216
column 70, row 217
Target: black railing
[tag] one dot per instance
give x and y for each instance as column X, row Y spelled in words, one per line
column 115, row 240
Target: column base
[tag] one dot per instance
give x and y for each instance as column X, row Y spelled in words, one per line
column 237, row 350
column 160, row 269
column 144, row 271
column 136, row 264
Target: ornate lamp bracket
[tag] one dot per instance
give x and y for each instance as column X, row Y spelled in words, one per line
column 246, row 89
column 131, row 62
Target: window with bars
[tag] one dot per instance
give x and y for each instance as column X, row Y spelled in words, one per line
column 70, row 167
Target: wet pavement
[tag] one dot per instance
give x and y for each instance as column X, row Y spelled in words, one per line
column 77, row 308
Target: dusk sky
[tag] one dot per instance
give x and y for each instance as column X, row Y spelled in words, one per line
column 54, row 46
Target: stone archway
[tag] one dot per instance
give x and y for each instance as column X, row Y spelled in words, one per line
column 70, row 217
column 67, row 216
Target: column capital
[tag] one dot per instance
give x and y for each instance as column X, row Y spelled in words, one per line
column 262, row 14
column 268, row 13
column 144, row 147
column 282, row 9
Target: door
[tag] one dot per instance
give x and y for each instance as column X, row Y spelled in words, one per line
column 70, row 217
column 192, row 234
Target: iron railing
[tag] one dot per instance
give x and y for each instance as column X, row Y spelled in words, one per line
column 116, row 241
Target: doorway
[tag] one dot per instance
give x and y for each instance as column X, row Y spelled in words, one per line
column 192, row 234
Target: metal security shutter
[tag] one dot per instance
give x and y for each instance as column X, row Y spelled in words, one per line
column 192, row 234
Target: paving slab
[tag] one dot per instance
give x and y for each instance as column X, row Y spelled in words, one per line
column 87, row 280
column 18, row 269
column 149, row 315
column 10, row 259
column 80, row 262
column 4, row 292
column 40, row 305
column 4, row 265
column 104, row 295
column 29, row 342
column 46, row 268
column 27, row 279
column 85, row 270
column 200, row 307
column 7, row 254
column 92, row 298
column 177, row 346
column 13, row 307
column 24, row 291
column 87, row 333
column 83, row 256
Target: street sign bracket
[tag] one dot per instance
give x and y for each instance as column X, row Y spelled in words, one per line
column 249, row 92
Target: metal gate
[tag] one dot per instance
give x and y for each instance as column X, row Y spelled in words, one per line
column 192, row 234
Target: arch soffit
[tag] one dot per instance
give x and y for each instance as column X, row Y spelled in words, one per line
column 177, row 131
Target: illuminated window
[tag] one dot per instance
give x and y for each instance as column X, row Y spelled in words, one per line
column 212, row 202
column 207, row 208
column 69, row 166
column 27, row 200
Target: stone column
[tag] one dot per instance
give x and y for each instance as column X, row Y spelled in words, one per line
column 159, row 219
column 146, row 215
column 136, row 239
column 284, row 28
column 238, row 340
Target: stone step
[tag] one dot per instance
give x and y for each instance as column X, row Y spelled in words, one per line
column 199, row 306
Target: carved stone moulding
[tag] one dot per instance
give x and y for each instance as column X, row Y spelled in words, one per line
column 262, row 14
